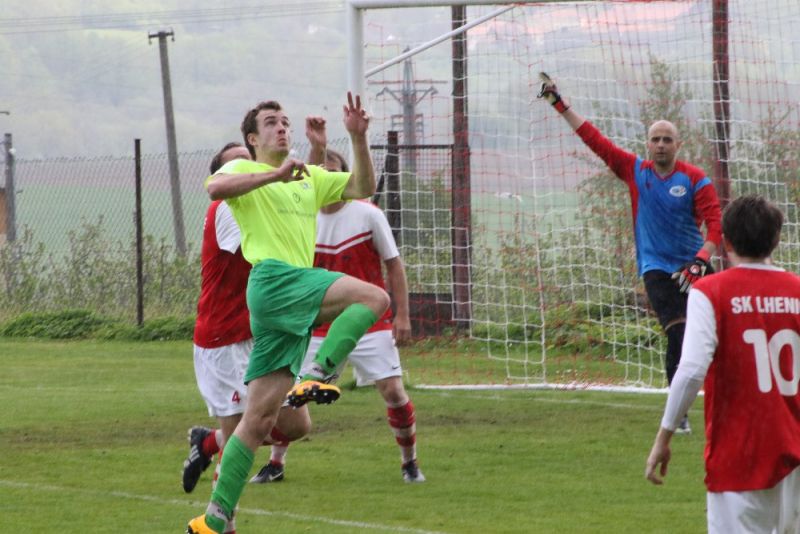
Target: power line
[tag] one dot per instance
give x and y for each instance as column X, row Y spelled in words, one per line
column 240, row 12
column 20, row 25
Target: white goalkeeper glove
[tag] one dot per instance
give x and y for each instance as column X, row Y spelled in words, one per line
column 549, row 92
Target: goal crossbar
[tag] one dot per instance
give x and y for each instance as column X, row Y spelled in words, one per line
column 356, row 74
column 421, row 48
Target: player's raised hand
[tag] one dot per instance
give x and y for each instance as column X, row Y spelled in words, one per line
column 315, row 131
column 356, row 120
column 549, row 92
column 292, row 170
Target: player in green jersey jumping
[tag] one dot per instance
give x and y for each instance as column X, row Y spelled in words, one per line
column 275, row 200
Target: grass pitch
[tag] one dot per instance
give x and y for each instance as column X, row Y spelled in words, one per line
column 93, row 439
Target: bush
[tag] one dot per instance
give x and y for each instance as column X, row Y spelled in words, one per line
column 67, row 324
column 164, row 329
column 83, row 324
column 97, row 274
column 158, row 329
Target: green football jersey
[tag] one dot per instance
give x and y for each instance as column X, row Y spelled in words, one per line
column 279, row 220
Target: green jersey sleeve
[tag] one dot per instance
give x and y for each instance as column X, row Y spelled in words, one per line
column 238, row 166
column 328, row 185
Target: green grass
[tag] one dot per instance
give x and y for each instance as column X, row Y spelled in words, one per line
column 93, row 438
column 454, row 360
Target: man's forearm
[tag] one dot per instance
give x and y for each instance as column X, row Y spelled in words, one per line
column 573, row 119
column 664, row 436
column 682, row 393
column 710, row 247
column 398, row 286
column 363, row 177
column 233, row 185
column 317, row 154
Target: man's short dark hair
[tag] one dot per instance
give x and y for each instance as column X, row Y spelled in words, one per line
column 249, row 124
column 752, row 226
column 332, row 154
column 216, row 161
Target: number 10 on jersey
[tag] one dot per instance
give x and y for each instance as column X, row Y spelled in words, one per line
column 768, row 353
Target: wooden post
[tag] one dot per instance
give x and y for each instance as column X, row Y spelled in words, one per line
column 461, row 190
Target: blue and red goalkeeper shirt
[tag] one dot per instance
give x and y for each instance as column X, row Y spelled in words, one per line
column 668, row 211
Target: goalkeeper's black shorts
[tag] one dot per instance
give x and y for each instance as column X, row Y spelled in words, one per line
column 665, row 297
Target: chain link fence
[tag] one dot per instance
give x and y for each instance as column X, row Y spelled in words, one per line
column 74, row 234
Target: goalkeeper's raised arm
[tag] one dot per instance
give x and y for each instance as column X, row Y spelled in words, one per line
column 620, row 161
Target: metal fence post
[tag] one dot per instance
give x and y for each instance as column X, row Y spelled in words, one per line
column 11, row 205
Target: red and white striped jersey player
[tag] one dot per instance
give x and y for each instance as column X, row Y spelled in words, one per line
column 355, row 238
column 742, row 344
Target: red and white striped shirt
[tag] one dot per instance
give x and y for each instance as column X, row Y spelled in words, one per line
column 356, row 240
column 222, row 316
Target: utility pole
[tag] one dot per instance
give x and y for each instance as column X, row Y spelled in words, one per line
column 408, row 97
column 172, row 145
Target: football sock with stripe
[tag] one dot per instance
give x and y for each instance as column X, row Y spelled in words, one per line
column 280, row 445
column 402, row 420
column 210, row 445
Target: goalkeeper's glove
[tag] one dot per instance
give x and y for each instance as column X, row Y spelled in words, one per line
column 692, row 271
column 549, row 92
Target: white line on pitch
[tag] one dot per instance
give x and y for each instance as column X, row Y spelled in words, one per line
column 495, row 397
column 251, row 511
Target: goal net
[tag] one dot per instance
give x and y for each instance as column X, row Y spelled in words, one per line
column 517, row 240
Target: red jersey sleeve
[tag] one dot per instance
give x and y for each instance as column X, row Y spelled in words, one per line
column 621, row 162
column 707, row 209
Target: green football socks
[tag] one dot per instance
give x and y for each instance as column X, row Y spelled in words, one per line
column 237, row 460
column 343, row 335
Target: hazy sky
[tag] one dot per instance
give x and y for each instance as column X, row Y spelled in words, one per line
column 79, row 77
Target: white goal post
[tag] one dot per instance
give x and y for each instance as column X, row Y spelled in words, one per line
column 355, row 33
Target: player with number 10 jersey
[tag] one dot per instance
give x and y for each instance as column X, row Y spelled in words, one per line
column 751, row 397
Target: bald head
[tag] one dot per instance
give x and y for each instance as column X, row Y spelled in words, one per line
column 663, row 127
column 663, row 142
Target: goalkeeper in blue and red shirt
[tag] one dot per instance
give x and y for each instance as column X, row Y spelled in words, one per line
column 670, row 199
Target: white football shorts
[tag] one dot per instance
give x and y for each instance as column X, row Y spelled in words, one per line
column 374, row 358
column 220, row 377
column 776, row 509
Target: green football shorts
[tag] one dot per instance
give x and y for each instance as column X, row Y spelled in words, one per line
column 283, row 301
